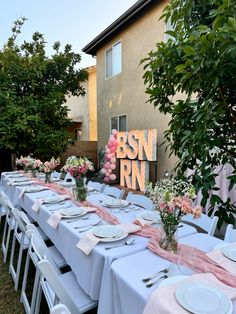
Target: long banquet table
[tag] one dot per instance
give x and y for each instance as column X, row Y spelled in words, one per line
column 127, row 274
column 93, row 272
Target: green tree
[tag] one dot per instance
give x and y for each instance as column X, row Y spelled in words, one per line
column 199, row 60
column 33, row 90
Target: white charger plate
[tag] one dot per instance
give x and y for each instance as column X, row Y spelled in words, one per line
column 107, row 231
column 151, row 216
column 72, row 212
column 229, row 251
column 53, row 199
column 21, row 179
column 35, row 188
column 201, row 298
column 115, row 203
column 22, row 183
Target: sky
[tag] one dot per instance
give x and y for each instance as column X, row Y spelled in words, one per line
column 75, row 22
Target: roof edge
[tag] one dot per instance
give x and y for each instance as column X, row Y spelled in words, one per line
column 140, row 5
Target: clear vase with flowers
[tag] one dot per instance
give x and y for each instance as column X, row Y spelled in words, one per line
column 173, row 199
column 48, row 166
column 78, row 168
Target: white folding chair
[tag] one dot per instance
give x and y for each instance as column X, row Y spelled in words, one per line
column 9, row 224
column 52, row 254
column 69, row 178
column 205, row 222
column 113, row 191
column 57, row 286
column 59, row 309
column 230, row 234
column 140, row 200
column 97, row 186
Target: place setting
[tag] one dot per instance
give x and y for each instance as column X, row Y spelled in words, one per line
column 32, row 189
column 105, row 234
column 73, row 213
column 147, row 218
column 50, row 201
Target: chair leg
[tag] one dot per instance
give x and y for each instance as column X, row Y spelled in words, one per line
column 37, row 294
column 4, row 237
column 11, row 266
column 7, row 244
column 23, row 298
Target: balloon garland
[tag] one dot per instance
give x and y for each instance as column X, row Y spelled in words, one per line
column 110, row 158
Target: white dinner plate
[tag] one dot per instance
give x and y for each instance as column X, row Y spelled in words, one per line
column 90, row 189
column 72, row 211
column 35, row 188
column 201, row 298
column 115, row 203
column 229, row 251
column 66, row 184
column 172, row 280
column 23, row 179
column 22, row 183
column 107, row 231
column 151, row 216
column 16, row 175
column 53, row 199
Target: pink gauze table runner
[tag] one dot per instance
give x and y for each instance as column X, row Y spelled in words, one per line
column 203, row 263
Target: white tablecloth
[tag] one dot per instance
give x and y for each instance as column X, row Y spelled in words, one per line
column 130, row 294
column 93, row 271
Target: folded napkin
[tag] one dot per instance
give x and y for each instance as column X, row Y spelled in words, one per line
column 55, row 218
column 163, row 300
column 142, row 222
column 89, row 241
column 39, row 202
column 222, row 260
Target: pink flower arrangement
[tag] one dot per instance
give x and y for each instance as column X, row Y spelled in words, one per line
column 110, row 158
column 77, row 167
column 49, row 166
column 28, row 163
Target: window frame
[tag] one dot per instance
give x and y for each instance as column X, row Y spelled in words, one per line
column 111, row 48
column 118, row 116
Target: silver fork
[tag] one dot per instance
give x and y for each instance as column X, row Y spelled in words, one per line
column 164, row 271
column 150, row 284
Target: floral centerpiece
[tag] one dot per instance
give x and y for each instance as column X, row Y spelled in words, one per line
column 28, row 164
column 173, row 199
column 78, row 168
column 48, row 166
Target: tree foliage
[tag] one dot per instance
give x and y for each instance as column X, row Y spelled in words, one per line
column 199, row 60
column 33, row 90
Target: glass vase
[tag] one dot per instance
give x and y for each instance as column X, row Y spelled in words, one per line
column 80, row 190
column 168, row 240
column 47, row 177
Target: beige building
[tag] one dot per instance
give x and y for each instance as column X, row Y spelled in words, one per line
column 83, row 110
column 121, row 98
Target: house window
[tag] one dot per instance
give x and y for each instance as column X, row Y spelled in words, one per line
column 119, row 122
column 113, row 60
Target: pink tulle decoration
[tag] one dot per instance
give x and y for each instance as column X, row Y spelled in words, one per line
column 112, row 177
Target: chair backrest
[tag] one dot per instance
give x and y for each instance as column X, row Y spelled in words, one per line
column 204, row 222
column 20, row 222
column 56, row 174
column 38, row 246
column 59, row 309
column 140, row 200
column 54, row 280
column 113, row 191
column 69, row 178
column 230, row 234
column 97, row 186
column 5, row 201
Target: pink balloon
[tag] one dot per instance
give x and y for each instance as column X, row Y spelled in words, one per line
column 107, row 165
column 113, row 166
column 103, row 171
column 109, row 171
column 108, row 150
column 113, row 149
column 107, row 174
column 112, row 177
column 109, row 156
column 113, row 160
column 106, row 179
column 111, row 139
column 109, row 144
column 114, row 132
